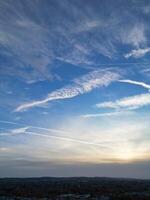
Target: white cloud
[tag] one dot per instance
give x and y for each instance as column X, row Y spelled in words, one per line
column 5, row 150
column 137, row 53
column 20, row 130
column 132, row 102
column 28, row 55
column 145, row 70
column 32, row 58
column 89, row 25
column 84, row 84
column 108, row 114
column 14, row 131
column 33, row 127
column 145, row 85
column 134, row 35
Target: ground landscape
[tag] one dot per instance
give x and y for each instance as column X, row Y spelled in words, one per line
column 74, row 188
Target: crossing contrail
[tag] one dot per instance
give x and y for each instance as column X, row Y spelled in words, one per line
column 36, row 127
column 65, row 138
column 50, row 136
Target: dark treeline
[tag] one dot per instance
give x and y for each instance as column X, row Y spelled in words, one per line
column 52, row 187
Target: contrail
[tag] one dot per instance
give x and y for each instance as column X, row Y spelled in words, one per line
column 108, row 114
column 57, row 137
column 145, row 85
column 50, row 136
column 65, row 138
column 36, row 127
column 8, row 122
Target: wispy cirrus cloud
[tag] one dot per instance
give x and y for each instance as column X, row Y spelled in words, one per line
column 145, row 85
column 27, row 55
column 132, row 102
column 135, row 34
column 20, row 130
column 107, row 114
column 89, row 25
column 32, row 58
column 145, row 70
column 137, row 53
column 15, row 131
column 84, row 84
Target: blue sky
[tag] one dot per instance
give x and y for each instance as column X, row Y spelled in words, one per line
column 74, row 88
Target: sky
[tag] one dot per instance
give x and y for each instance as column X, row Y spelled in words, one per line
column 75, row 88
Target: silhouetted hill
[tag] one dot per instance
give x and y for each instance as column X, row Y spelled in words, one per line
column 75, row 188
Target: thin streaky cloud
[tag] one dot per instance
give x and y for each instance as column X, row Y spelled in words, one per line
column 134, row 35
column 58, row 138
column 9, row 132
column 8, row 122
column 145, row 85
column 14, row 131
column 132, row 102
column 35, row 127
column 65, row 138
column 137, row 53
column 108, row 114
column 5, row 134
column 84, row 84
column 20, row 130
column 89, row 25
